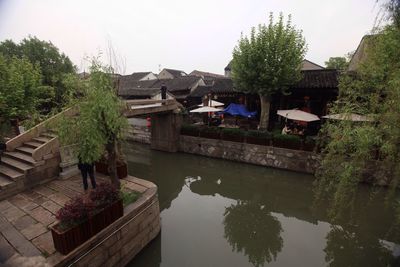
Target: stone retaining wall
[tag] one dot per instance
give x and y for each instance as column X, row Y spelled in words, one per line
column 118, row 244
column 138, row 133
column 294, row 160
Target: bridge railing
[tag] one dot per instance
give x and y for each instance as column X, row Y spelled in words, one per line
column 149, row 106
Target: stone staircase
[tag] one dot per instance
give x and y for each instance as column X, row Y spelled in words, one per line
column 17, row 164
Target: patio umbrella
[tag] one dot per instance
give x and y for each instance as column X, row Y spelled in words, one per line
column 348, row 117
column 214, row 104
column 205, row 109
column 298, row 115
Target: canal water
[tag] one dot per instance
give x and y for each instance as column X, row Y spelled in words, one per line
column 222, row 213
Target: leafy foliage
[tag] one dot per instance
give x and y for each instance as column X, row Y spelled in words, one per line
column 339, row 63
column 268, row 61
column 104, row 195
column 359, row 151
column 100, row 124
column 19, row 90
column 74, row 212
column 52, row 64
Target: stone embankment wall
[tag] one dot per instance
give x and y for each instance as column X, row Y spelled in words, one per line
column 294, row 160
column 118, row 244
column 139, row 133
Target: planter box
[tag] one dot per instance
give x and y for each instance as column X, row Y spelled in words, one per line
column 67, row 240
column 286, row 144
column 190, row 133
column 258, row 141
column 122, row 169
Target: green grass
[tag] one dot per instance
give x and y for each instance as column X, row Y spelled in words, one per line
column 129, row 197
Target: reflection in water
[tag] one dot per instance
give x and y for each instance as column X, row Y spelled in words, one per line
column 250, row 228
column 222, row 213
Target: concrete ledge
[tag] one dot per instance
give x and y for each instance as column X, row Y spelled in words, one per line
column 288, row 159
column 118, row 244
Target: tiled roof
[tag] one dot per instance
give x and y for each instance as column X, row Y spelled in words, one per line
column 204, row 74
column 318, row 79
column 128, row 82
column 176, row 73
column 178, row 84
column 139, row 75
column 222, row 85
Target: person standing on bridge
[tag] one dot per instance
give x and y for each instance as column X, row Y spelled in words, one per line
column 87, row 169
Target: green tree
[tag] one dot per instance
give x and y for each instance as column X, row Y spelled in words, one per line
column 52, row 63
column 364, row 150
column 19, row 86
column 339, row 63
column 100, row 123
column 268, row 61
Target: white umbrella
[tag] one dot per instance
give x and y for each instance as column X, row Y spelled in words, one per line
column 214, row 104
column 205, row 109
column 298, row 115
column 348, row 117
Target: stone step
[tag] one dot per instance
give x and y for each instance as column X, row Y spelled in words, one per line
column 33, row 144
column 41, row 139
column 25, row 150
column 5, row 182
column 10, row 173
column 20, row 157
column 48, row 135
column 16, row 164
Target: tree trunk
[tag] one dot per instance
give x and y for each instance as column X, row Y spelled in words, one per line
column 112, row 163
column 264, row 116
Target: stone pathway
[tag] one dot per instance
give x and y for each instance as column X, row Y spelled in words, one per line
column 25, row 217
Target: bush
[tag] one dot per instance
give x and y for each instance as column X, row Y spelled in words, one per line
column 129, row 197
column 74, row 212
column 211, row 130
column 105, row 194
column 233, row 132
column 259, row 134
column 190, row 129
column 287, row 141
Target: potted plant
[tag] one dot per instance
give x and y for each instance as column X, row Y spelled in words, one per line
column 210, row 132
column 102, row 166
column 287, row 141
column 258, row 137
column 73, row 227
column 107, row 198
column 232, row 134
column 189, row 129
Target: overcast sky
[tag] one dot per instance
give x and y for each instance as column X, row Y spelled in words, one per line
column 184, row 35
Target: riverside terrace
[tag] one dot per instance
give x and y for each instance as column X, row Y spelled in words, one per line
column 25, row 219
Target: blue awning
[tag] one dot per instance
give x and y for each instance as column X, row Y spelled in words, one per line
column 238, row 110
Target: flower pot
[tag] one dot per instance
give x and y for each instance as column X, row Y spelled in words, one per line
column 97, row 222
column 113, row 212
column 67, row 240
column 122, row 169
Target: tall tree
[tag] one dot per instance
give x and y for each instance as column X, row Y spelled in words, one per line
column 100, row 125
column 52, row 63
column 339, row 63
column 268, row 61
column 19, row 86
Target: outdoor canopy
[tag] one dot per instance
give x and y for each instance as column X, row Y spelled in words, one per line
column 348, row 117
column 214, row 104
column 298, row 115
column 238, row 110
column 205, row 109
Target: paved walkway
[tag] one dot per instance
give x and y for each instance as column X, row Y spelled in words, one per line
column 25, row 218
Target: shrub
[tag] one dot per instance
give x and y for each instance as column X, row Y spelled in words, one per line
column 233, row 132
column 259, row 134
column 211, row 130
column 189, row 129
column 104, row 195
column 287, row 141
column 129, row 197
column 74, row 212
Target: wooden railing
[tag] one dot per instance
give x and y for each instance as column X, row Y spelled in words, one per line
column 46, row 148
column 149, row 106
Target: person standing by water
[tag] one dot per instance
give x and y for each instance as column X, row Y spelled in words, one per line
column 87, row 169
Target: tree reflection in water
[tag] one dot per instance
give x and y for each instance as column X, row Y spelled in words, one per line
column 250, row 228
column 347, row 248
